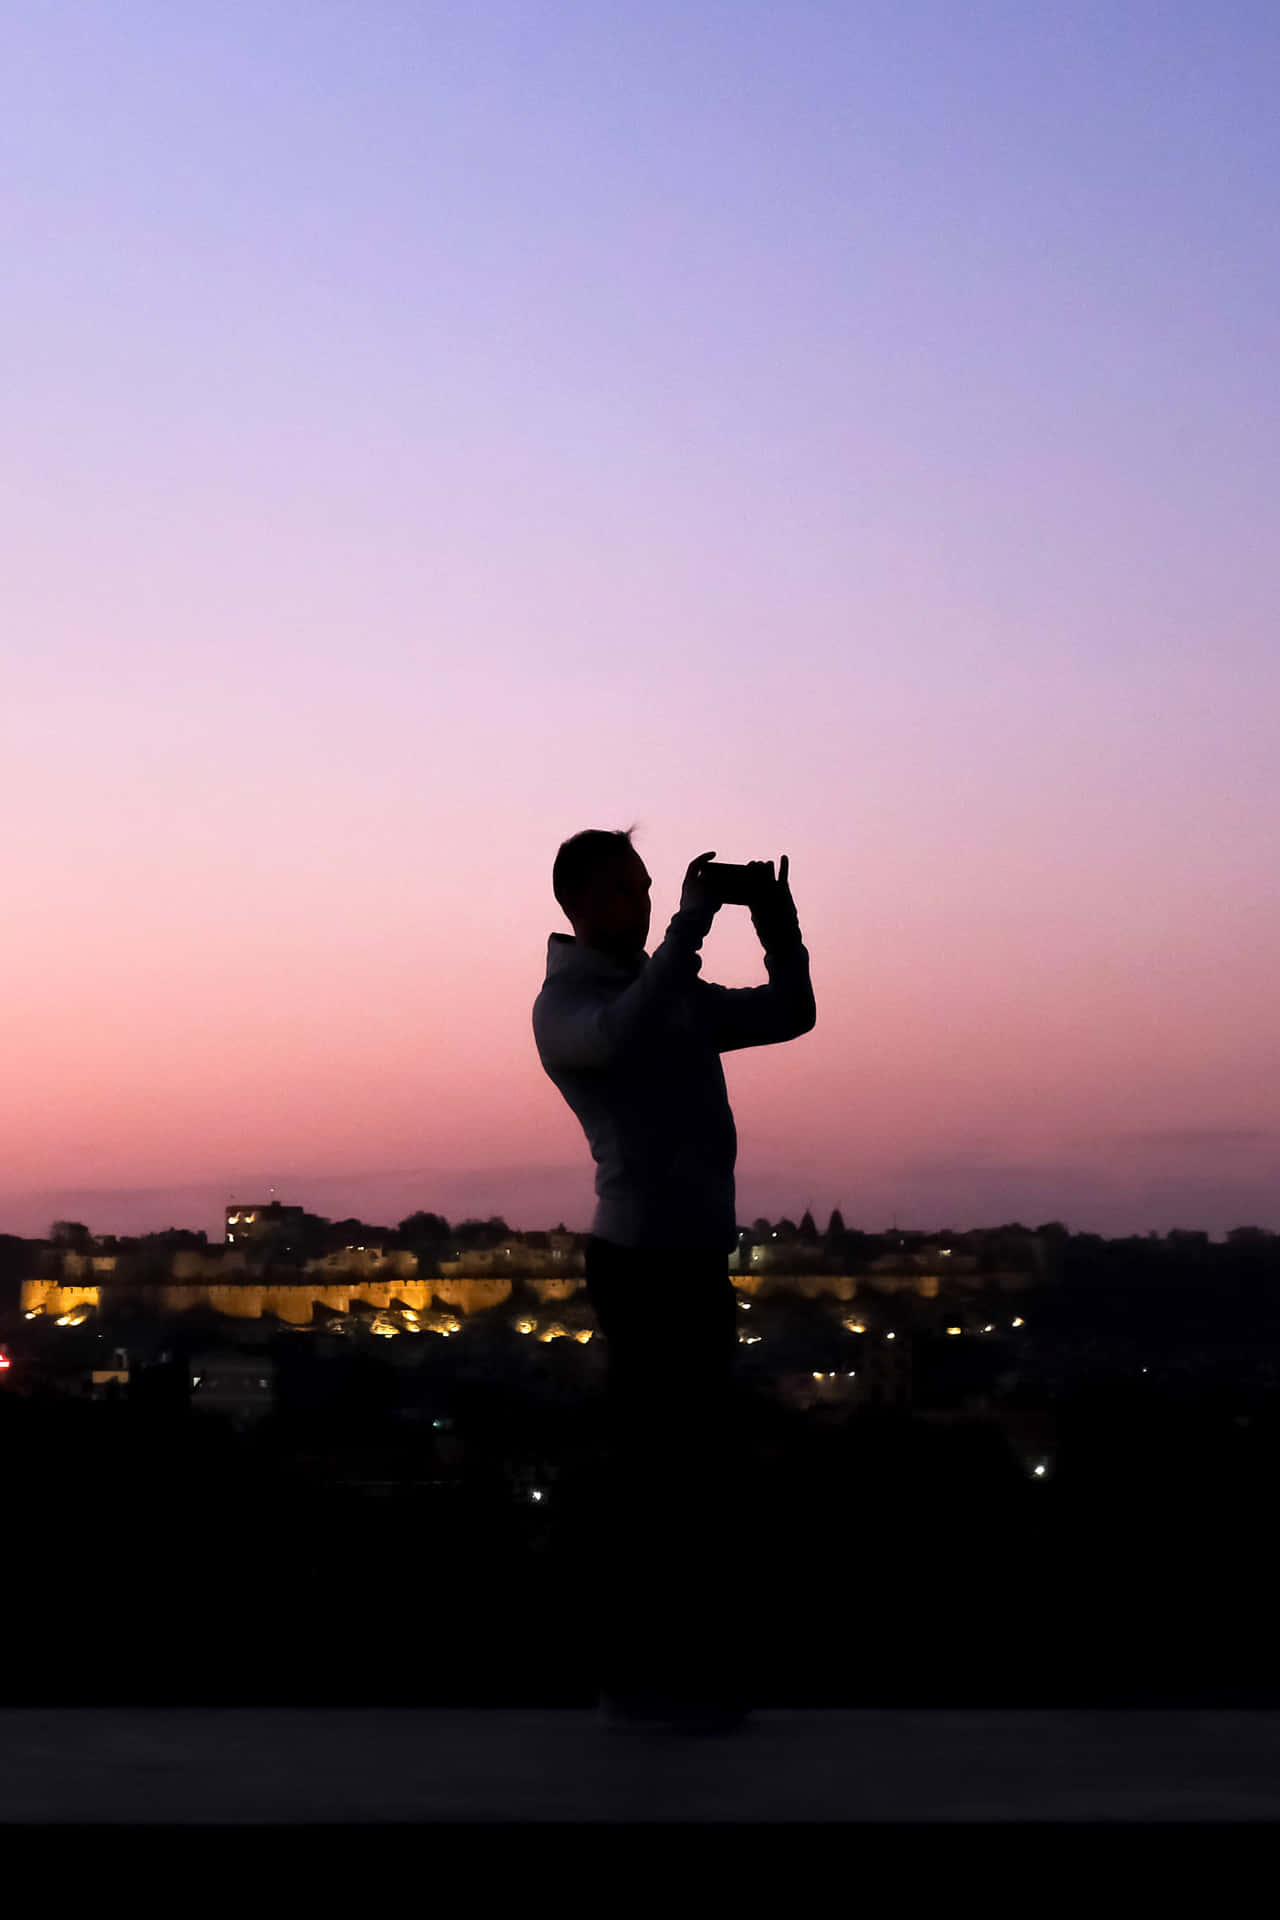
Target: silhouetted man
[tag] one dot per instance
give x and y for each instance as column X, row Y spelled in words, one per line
column 633, row 1042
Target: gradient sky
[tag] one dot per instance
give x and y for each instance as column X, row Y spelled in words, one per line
column 847, row 431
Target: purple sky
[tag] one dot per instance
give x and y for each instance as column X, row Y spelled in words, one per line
column 842, row 431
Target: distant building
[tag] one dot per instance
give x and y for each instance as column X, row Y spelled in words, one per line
column 248, row 1222
column 536, row 1254
column 223, row 1380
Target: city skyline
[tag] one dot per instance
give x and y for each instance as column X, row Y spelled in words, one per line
column 843, row 435
column 144, row 1218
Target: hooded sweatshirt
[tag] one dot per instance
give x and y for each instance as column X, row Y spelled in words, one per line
column 634, row 1047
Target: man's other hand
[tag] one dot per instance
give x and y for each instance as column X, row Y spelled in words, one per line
column 773, row 911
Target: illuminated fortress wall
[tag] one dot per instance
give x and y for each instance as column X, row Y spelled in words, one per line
column 220, row 1279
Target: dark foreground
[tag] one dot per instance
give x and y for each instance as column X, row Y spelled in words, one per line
column 268, row 1766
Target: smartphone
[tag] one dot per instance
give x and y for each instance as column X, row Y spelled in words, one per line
column 736, row 886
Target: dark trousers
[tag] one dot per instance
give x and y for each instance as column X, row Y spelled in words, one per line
column 672, row 1594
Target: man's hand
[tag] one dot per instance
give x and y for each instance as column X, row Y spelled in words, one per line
column 773, row 911
column 696, row 893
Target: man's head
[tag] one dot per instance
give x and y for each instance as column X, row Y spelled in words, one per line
column 602, row 885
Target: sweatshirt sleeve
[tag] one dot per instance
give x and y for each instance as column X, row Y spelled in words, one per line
column 575, row 1026
column 760, row 1016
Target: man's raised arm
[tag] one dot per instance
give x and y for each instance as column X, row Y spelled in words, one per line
column 785, row 1008
column 761, row 1016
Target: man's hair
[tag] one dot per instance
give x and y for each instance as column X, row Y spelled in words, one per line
column 581, row 861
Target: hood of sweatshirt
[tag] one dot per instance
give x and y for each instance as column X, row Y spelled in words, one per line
column 567, row 954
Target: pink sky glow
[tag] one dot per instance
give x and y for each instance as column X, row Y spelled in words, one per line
column 850, row 434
